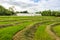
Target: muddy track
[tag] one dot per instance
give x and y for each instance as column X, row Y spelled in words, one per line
column 6, row 25
column 50, row 31
column 28, row 32
column 8, row 20
column 12, row 24
column 12, row 20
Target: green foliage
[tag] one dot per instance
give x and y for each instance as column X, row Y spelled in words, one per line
column 46, row 13
column 49, row 13
column 57, row 13
column 24, row 12
column 4, row 11
column 38, row 12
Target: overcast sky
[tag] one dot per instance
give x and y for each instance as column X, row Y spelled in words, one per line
column 32, row 5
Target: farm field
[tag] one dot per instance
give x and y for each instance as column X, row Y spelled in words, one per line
column 29, row 28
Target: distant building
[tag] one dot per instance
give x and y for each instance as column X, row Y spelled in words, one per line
column 28, row 14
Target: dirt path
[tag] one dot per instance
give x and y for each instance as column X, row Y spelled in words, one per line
column 52, row 33
column 27, row 33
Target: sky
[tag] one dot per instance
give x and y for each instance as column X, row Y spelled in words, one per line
column 31, row 5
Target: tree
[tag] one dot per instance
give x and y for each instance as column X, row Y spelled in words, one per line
column 57, row 13
column 38, row 12
column 24, row 12
column 4, row 11
column 50, row 13
column 46, row 13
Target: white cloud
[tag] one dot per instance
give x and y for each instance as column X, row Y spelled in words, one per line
column 32, row 6
column 50, row 4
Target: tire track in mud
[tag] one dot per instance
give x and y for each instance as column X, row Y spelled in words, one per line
column 8, row 20
column 6, row 25
column 28, row 32
column 50, row 31
column 11, row 24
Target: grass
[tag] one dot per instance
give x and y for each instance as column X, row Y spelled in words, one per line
column 41, row 34
column 1, row 23
column 56, row 29
column 7, row 33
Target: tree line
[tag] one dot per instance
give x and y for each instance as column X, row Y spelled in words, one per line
column 8, row 12
column 49, row 13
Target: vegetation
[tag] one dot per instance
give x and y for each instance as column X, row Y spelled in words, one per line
column 46, row 13
column 4, row 12
column 22, row 12
column 57, row 30
column 7, row 33
column 10, row 11
column 49, row 13
column 41, row 33
column 28, row 27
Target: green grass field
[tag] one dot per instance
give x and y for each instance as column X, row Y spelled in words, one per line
column 7, row 33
